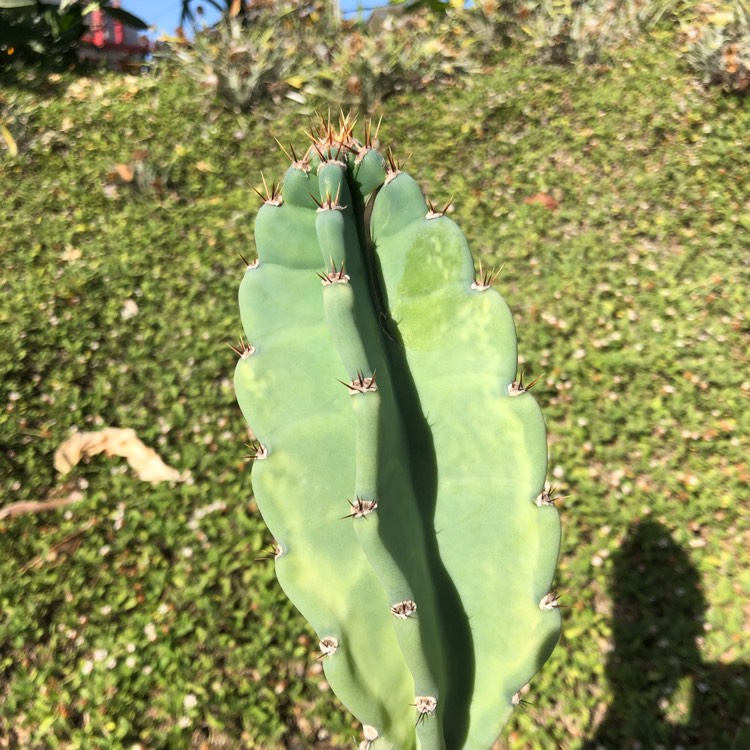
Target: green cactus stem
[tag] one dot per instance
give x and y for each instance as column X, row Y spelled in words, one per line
column 400, row 463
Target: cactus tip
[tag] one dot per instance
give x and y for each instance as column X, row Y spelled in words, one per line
column 377, row 129
column 361, row 508
column 517, row 700
column 425, row 705
column 297, row 163
column 485, row 279
column 272, row 195
column 275, row 551
column 434, row 212
column 334, row 276
column 251, row 264
column 368, row 134
column 362, row 384
column 243, row 349
column 370, row 735
column 257, row 451
column 328, row 646
column 404, row 609
column 550, row 601
column 286, row 153
column 517, row 387
column 546, row 497
column 394, row 168
column 330, row 203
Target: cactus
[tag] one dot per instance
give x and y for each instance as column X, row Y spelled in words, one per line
column 400, row 463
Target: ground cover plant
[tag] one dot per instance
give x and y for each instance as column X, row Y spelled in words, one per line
column 612, row 201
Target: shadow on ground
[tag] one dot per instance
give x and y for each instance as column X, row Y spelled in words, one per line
column 665, row 694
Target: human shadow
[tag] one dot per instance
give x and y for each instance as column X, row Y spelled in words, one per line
column 665, row 695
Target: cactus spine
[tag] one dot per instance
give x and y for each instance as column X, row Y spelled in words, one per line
column 400, row 464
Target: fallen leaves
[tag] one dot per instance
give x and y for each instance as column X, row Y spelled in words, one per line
column 124, row 172
column 114, row 441
column 545, row 200
column 10, row 141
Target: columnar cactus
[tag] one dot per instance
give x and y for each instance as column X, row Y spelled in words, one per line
column 400, row 463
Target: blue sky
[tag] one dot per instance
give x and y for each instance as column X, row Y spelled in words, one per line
column 165, row 14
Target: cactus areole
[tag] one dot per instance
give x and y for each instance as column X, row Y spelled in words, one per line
column 399, row 461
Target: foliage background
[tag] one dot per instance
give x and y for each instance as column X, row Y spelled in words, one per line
column 612, row 196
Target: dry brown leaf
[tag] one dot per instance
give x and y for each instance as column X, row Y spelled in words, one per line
column 543, row 199
column 124, row 172
column 10, row 142
column 113, row 441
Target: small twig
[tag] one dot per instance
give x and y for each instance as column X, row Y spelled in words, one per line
column 18, row 509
